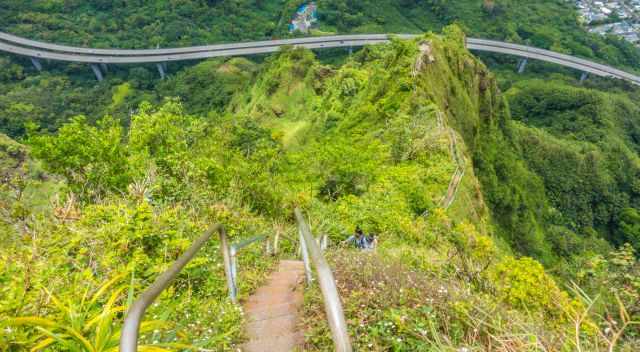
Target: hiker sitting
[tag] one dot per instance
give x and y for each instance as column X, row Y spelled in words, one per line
column 372, row 241
column 361, row 241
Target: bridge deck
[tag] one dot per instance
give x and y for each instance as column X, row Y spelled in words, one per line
column 35, row 49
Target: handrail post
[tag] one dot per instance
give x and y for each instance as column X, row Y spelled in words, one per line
column 226, row 255
column 305, row 257
column 332, row 304
column 275, row 242
column 234, row 271
column 325, row 242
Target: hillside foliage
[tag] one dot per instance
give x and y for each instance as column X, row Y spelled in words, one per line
column 373, row 142
column 66, row 90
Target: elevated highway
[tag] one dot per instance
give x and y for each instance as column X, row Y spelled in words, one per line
column 39, row 50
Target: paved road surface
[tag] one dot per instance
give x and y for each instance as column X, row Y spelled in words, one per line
column 21, row 46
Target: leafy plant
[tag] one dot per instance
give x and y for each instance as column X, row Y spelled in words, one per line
column 92, row 324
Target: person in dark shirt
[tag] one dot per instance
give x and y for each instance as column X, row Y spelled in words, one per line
column 362, row 241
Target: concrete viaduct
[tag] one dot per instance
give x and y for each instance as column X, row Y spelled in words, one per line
column 99, row 58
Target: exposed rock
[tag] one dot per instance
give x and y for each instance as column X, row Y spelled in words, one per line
column 425, row 57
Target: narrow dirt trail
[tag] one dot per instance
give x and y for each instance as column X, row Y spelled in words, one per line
column 458, row 174
column 273, row 311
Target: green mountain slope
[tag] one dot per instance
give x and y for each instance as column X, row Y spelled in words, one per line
column 65, row 90
column 412, row 140
column 593, row 134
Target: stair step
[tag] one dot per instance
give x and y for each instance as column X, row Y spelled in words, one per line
column 277, row 288
column 282, row 343
column 291, row 262
column 284, row 272
column 276, row 310
column 285, row 283
column 272, row 311
column 287, row 267
column 274, row 299
column 293, row 278
column 276, row 326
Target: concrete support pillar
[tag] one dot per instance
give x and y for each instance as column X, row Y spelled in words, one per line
column 350, row 50
column 584, row 76
column 36, row 63
column 104, row 67
column 522, row 65
column 161, row 70
column 97, row 72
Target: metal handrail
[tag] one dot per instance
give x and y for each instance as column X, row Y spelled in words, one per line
column 232, row 252
column 332, row 304
column 131, row 327
column 311, row 251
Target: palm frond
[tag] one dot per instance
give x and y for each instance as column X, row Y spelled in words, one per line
column 105, row 287
column 147, row 348
column 32, row 321
column 42, row 344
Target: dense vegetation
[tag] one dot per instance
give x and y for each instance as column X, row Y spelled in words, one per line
column 593, row 134
column 108, row 183
column 368, row 143
column 66, row 90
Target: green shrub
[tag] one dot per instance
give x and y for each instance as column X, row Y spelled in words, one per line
column 523, row 284
column 93, row 159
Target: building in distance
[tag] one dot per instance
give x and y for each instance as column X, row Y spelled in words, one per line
column 305, row 17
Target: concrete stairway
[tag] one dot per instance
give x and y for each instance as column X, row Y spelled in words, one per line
column 272, row 312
